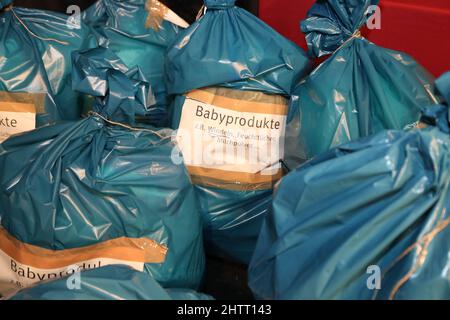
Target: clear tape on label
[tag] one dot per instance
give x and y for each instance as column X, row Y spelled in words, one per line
column 233, row 139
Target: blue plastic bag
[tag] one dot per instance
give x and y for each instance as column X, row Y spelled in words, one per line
column 139, row 32
column 4, row 3
column 113, row 282
column 35, row 67
column 231, row 65
column 97, row 191
column 358, row 91
column 367, row 220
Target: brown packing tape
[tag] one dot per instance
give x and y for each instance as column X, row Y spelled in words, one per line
column 243, row 95
column 18, row 99
column 211, row 183
column 242, row 101
column 422, row 125
column 156, row 13
column 125, row 249
column 17, row 107
column 242, row 187
column 238, row 181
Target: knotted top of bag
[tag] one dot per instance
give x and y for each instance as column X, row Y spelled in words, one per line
column 219, row 4
column 232, row 48
column 438, row 115
column 121, row 93
column 330, row 23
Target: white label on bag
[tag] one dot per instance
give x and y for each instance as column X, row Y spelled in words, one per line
column 22, row 265
column 14, row 275
column 13, row 122
column 238, row 139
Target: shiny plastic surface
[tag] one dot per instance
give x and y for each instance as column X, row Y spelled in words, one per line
column 4, row 3
column 80, row 183
column 229, row 47
column 359, row 90
column 35, row 50
column 122, row 26
column 108, row 283
column 376, row 207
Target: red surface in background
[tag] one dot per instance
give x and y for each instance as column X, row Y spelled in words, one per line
column 419, row 28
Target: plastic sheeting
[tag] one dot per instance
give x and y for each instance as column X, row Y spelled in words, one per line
column 4, row 3
column 100, row 186
column 246, row 54
column 139, row 32
column 367, row 220
column 107, row 283
column 35, row 62
column 359, row 90
column 229, row 55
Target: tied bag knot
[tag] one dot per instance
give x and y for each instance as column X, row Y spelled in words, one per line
column 331, row 24
column 121, row 93
column 219, row 4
